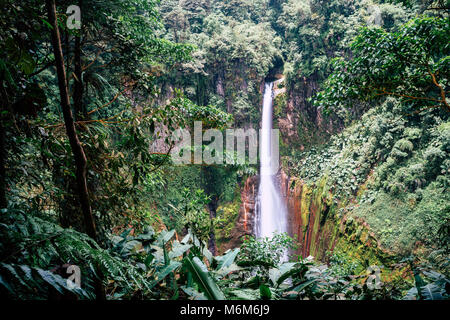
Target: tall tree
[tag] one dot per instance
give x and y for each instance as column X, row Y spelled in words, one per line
column 3, row 201
column 77, row 148
column 78, row 85
column 411, row 63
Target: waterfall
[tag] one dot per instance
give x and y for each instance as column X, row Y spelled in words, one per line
column 270, row 210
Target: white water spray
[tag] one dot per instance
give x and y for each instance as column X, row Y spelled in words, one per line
column 270, row 210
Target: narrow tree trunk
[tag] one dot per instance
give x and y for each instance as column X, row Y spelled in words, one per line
column 3, row 201
column 212, row 206
column 3, row 152
column 67, row 54
column 78, row 84
column 208, row 184
column 77, row 148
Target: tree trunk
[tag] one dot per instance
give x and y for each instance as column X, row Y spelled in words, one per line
column 78, row 84
column 3, row 201
column 212, row 206
column 3, row 151
column 67, row 54
column 210, row 185
column 77, row 149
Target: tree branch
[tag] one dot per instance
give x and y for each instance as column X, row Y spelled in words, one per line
column 442, row 91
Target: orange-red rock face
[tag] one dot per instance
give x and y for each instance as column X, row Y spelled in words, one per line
column 304, row 214
column 307, row 212
column 245, row 222
column 312, row 220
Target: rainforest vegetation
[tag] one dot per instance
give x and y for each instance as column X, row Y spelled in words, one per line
column 88, row 186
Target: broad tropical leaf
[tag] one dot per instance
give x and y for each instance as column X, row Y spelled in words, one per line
column 227, row 259
column 164, row 272
column 194, row 294
column 203, row 278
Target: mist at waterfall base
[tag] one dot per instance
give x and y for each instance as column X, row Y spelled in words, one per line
column 270, row 210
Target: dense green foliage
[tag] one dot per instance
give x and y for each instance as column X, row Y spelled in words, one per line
column 398, row 174
column 154, row 265
column 363, row 109
column 409, row 63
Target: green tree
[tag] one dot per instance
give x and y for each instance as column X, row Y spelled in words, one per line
column 411, row 63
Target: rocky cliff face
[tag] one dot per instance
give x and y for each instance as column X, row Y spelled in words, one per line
column 301, row 123
column 244, row 225
column 321, row 225
column 314, row 221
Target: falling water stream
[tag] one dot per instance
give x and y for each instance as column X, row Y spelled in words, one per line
column 270, row 210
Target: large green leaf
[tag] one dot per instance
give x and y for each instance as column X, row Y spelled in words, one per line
column 203, row 278
column 227, row 259
column 186, row 238
column 207, row 254
column 158, row 254
column 164, row 237
column 131, row 247
column 278, row 275
column 246, row 294
column 222, row 272
column 164, row 272
column 303, row 285
column 432, row 292
column 265, row 292
column 178, row 249
column 194, row 294
column 412, row 294
column 148, row 235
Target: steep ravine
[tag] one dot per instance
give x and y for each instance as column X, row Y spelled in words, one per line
column 313, row 221
column 313, row 218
